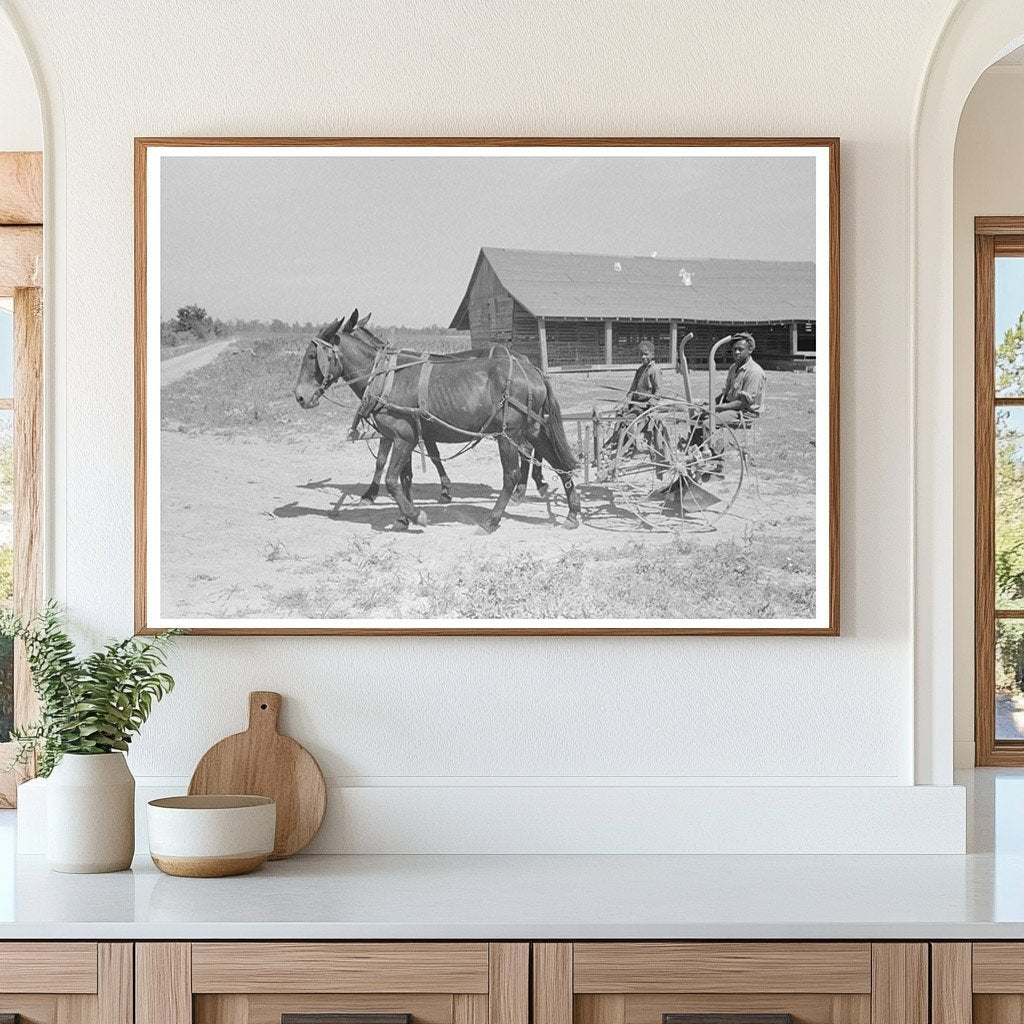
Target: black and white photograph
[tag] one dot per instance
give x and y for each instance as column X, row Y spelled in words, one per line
column 454, row 386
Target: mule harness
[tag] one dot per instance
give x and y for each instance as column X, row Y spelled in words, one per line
column 380, row 379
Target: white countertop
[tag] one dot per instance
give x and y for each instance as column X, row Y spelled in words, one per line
column 977, row 896
column 516, row 897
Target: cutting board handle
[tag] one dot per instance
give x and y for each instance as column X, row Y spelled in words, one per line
column 264, row 710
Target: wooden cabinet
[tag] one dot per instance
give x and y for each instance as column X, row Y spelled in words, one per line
column 66, row 982
column 307, row 982
column 753, row 982
column 978, row 983
column 494, row 983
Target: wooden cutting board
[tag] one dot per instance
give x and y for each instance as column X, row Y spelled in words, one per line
column 262, row 762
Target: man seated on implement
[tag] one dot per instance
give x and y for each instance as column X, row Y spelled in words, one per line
column 744, row 385
column 642, row 392
column 738, row 402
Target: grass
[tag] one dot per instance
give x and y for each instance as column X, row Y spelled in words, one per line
column 756, row 576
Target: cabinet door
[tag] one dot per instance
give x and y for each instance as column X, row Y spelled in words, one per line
column 66, row 983
column 730, row 983
column 980, row 982
column 332, row 983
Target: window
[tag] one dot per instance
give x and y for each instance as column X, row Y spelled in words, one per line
column 805, row 339
column 999, row 490
column 21, row 369
column 6, row 514
column 20, row 501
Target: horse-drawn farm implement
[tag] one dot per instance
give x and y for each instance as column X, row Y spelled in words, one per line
column 669, row 460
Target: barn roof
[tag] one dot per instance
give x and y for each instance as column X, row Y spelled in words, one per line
column 577, row 285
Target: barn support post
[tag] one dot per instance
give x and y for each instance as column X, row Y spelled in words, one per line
column 794, row 337
column 608, row 342
column 673, row 341
column 543, row 336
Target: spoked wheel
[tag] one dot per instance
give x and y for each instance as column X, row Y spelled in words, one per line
column 673, row 467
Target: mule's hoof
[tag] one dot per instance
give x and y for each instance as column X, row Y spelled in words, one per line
column 421, row 519
column 543, row 490
column 517, row 495
column 445, row 499
column 490, row 525
column 572, row 524
column 401, row 525
column 365, row 502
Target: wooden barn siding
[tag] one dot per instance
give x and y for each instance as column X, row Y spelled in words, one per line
column 626, row 338
column 773, row 343
column 490, row 310
column 525, row 338
column 581, row 342
column 574, row 342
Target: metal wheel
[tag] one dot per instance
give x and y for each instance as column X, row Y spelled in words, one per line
column 674, row 467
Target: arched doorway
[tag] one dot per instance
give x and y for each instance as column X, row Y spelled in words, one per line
column 977, row 33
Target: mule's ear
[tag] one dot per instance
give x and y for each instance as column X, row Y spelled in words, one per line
column 365, row 320
column 329, row 331
column 350, row 324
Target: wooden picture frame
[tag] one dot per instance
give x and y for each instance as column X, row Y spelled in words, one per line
column 152, row 153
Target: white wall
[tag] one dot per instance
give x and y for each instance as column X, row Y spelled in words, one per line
column 449, row 713
column 987, row 181
column 21, row 127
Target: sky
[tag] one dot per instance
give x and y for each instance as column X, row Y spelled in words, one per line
column 311, row 237
column 1009, row 293
column 6, row 354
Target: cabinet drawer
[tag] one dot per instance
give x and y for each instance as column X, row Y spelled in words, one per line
column 635, row 967
column 332, row 983
column 730, row 983
column 65, row 967
column 340, row 967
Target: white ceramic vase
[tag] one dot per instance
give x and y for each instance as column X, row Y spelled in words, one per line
column 90, row 814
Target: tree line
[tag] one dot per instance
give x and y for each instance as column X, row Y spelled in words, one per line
column 193, row 324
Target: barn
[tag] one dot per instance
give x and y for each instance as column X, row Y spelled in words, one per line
column 569, row 310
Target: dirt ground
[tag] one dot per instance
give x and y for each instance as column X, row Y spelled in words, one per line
column 260, row 515
column 257, row 528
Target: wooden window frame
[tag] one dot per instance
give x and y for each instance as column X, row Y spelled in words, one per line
column 993, row 237
column 21, row 270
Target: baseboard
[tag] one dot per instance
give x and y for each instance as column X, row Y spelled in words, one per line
column 526, row 819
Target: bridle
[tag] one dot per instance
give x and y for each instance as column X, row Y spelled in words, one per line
column 329, row 364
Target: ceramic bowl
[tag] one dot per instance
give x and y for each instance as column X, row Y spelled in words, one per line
column 211, row 836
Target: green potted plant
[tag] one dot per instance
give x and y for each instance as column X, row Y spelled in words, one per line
column 90, row 708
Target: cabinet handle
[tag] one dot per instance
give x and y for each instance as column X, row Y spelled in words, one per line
column 727, row 1018
column 337, row 1018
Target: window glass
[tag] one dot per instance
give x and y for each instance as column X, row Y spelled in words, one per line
column 6, row 568
column 1009, row 327
column 1009, row 679
column 1009, row 510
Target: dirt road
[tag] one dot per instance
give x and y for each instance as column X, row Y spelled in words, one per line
column 176, row 367
column 254, row 528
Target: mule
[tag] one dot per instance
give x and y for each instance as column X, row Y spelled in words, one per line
column 445, row 399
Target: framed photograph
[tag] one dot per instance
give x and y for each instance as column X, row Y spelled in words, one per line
column 504, row 386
